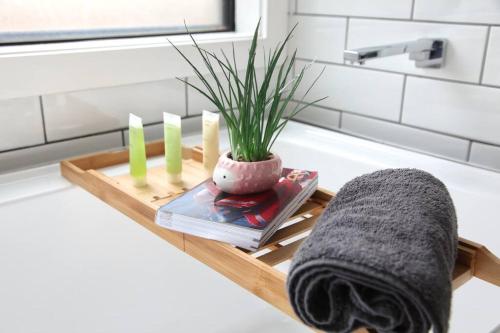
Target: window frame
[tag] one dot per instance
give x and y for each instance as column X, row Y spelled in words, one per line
column 40, row 69
column 227, row 26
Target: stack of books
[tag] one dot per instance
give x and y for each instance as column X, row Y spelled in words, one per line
column 246, row 221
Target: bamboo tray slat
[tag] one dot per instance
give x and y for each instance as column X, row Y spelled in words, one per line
column 253, row 271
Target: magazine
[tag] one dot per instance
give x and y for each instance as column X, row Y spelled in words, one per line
column 243, row 220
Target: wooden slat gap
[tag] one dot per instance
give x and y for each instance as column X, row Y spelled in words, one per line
column 282, row 254
column 290, row 231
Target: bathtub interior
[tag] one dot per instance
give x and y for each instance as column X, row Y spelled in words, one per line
column 87, row 253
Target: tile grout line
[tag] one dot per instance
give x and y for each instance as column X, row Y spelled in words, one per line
column 296, row 6
column 485, row 54
column 186, row 97
column 122, row 130
column 60, row 141
column 469, row 151
column 326, row 128
column 346, row 35
column 398, row 19
column 123, row 137
column 403, row 92
column 43, row 119
column 341, row 114
column 340, row 131
column 346, row 32
column 111, row 131
column 412, row 13
column 401, row 73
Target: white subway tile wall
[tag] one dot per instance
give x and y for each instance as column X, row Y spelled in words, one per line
column 52, row 152
column 468, row 11
column 317, row 116
column 44, row 129
column 318, row 37
column 21, row 123
column 107, row 109
column 452, row 111
column 354, row 90
column 491, row 74
column 371, row 8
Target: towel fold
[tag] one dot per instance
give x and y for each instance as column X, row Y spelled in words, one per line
column 381, row 256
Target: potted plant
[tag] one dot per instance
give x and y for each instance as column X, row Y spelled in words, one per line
column 255, row 112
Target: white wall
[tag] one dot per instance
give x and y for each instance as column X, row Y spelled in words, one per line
column 51, row 127
column 453, row 112
column 60, row 100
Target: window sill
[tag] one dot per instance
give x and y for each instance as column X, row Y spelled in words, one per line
column 30, row 70
column 121, row 43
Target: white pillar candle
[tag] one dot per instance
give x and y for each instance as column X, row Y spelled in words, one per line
column 210, row 140
column 173, row 146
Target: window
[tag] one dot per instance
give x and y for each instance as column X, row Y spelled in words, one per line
column 33, row 69
column 41, row 21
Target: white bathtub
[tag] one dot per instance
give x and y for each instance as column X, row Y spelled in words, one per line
column 69, row 263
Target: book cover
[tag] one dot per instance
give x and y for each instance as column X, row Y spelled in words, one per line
column 256, row 211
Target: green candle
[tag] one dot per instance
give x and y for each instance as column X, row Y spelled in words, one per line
column 173, row 146
column 137, row 151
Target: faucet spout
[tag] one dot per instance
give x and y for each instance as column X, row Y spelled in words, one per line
column 426, row 52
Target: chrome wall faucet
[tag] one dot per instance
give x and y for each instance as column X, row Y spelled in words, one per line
column 426, row 52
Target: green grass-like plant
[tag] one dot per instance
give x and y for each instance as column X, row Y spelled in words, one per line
column 255, row 112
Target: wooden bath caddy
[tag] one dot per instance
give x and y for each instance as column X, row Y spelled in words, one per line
column 252, row 271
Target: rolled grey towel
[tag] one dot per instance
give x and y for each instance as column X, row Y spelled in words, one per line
column 381, row 256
